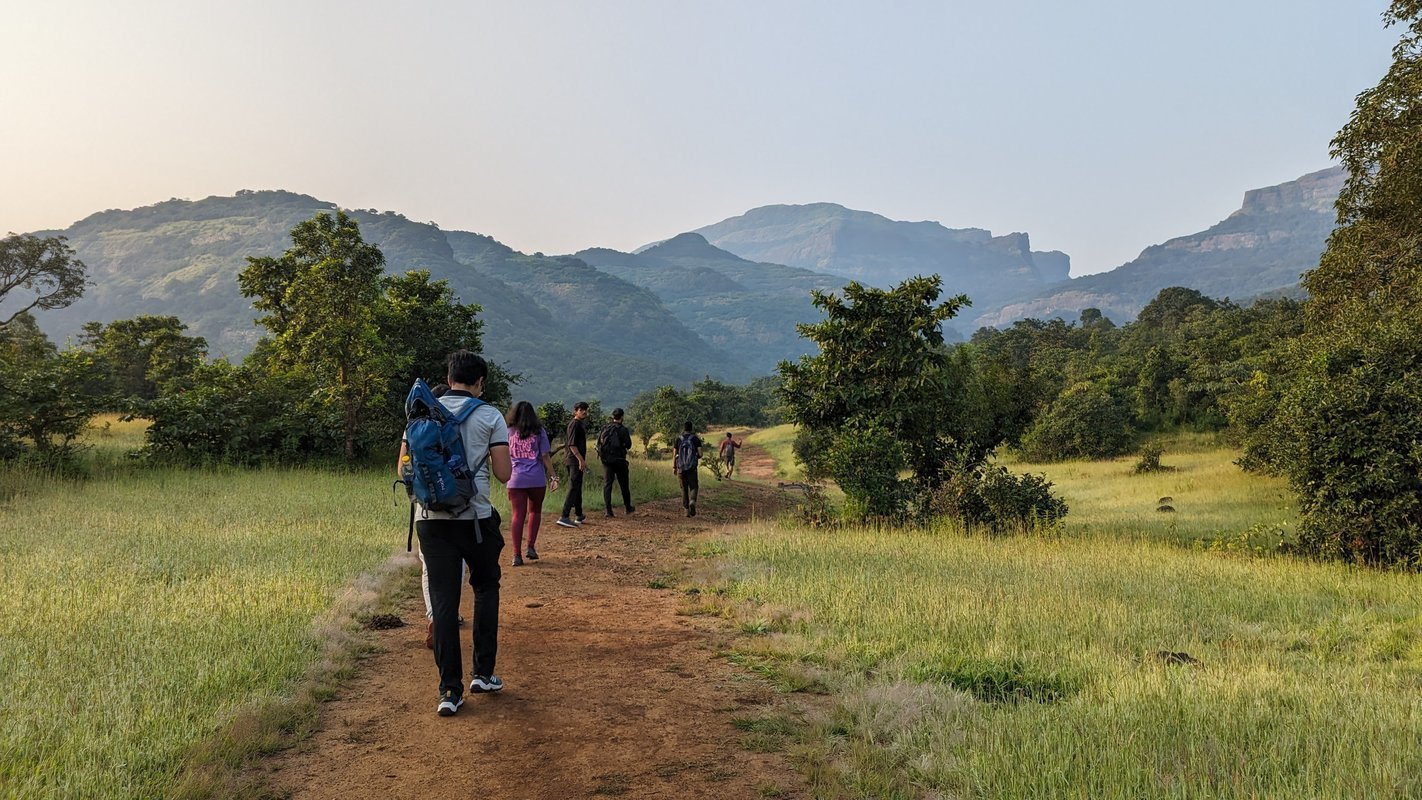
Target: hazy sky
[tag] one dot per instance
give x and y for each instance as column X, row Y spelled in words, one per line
column 1097, row 126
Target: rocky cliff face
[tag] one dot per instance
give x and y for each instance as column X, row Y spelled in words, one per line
column 858, row 245
column 1264, row 247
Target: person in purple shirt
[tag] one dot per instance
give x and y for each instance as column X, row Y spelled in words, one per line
column 532, row 474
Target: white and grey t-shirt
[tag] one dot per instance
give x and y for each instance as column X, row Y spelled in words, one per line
column 482, row 429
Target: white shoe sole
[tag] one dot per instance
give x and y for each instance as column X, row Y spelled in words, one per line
column 447, row 708
column 479, row 687
column 567, row 524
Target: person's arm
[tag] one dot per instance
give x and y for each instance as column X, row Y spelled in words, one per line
column 500, row 462
column 548, row 461
column 404, row 451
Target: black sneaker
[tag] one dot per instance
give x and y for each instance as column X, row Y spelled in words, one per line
column 486, row 683
column 609, row 514
column 531, row 554
column 517, row 560
column 567, row 523
column 449, row 702
column 581, row 519
column 630, row 509
column 691, row 512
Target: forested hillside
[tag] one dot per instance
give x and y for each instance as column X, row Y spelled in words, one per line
column 740, row 306
column 570, row 330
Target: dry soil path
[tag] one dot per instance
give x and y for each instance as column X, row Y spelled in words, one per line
column 610, row 691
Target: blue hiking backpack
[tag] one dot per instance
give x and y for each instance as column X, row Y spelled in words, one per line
column 435, row 475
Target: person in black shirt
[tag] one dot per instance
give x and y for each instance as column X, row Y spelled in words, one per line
column 613, row 443
column 576, row 443
column 685, row 463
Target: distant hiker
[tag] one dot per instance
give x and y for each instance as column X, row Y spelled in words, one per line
column 437, row 390
column 532, row 474
column 448, row 539
column 728, row 452
column 575, row 441
column 613, row 442
column 684, row 464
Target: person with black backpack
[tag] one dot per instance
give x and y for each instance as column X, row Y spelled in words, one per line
column 685, row 464
column 613, row 443
column 457, row 524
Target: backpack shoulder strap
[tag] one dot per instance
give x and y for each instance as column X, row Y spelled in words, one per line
column 466, row 409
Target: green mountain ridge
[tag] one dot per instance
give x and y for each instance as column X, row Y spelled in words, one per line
column 740, row 306
column 603, row 324
column 571, row 331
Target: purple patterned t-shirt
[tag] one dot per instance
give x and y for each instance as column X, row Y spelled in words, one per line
column 527, row 457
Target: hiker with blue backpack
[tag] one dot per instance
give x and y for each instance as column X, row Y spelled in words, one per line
column 684, row 464
column 437, row 390
column 454, row 443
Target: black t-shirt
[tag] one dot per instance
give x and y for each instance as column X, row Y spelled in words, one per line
column 577, row 439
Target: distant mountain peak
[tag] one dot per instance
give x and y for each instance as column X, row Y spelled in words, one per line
column 687, row 245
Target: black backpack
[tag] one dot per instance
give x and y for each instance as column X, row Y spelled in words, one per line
column 609, row 443
column 685, row 453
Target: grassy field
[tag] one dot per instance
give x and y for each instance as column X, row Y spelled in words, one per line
column 140, row 610
column 1110, row 664
column 1212, row 498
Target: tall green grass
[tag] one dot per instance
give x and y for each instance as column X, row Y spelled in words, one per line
column 1211, row 497
column 1112, row 665
column 141, row 609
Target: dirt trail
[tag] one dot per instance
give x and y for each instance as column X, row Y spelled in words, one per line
column 752, row 462
column 609, row 692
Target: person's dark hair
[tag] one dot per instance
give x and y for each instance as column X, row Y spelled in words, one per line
column 581, row 405
column 728, row 434
column 439, row 389
column 524, row 419
column 467, row 368
column 617, row 414
column 686, row 428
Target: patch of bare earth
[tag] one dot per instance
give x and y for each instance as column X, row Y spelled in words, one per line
column 609, row 691
column 754, row 463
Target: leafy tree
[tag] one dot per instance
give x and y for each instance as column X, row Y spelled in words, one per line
column 419, row 322
column 48, row 403
column 22, row 340
column 146, row 354
column 879, row 384
column 1341, row 421
column 43, row 270
column 665, row 412
column 321, row 302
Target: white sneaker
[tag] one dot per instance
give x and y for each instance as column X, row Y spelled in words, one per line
column 486, row 683
column 449, row 703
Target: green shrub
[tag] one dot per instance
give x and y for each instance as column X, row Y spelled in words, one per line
column 990, row 497
column 866, row 466
column 1150, row 460
column 1086, row 421
column 240, row 415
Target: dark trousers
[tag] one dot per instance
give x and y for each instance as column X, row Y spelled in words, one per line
column 574, row 500
column 690, row 485
column 618, row 470
column 447, row 544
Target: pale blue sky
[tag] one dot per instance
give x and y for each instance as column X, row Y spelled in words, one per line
column 1099, row 127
